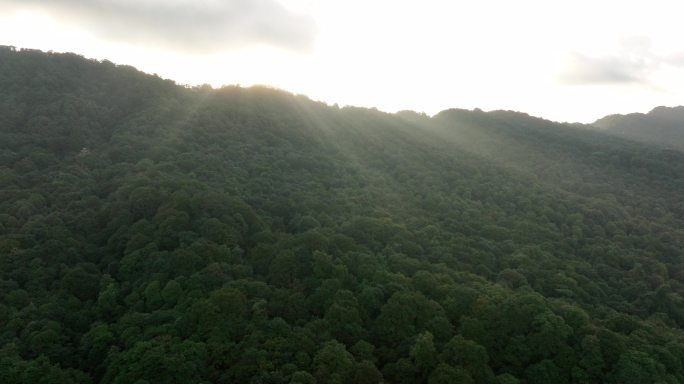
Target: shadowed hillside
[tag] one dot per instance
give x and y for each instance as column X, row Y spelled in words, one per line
column 662, row 126
column 156, row 233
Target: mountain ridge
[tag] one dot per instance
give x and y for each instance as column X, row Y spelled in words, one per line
column 152, row 232
column 284, row 91
column 663, row 126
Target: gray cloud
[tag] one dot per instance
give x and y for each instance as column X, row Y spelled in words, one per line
column 188, row 25
column 677, row 59
column 633, row 64
column 604, row 70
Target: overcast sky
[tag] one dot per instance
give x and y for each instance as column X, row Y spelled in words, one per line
column 563, row 60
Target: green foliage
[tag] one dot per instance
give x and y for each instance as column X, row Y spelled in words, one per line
column 157, row 233
column 160, row 361
column 333, row 364
column 424, row 354
column 661, row 126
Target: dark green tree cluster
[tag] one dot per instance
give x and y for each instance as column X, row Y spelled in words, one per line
column 153, row 233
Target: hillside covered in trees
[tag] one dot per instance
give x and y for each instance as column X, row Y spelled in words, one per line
column 154, row 233
column 662, row 126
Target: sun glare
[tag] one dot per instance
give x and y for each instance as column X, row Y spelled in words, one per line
column 397, row 55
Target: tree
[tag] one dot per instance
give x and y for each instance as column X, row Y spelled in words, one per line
column 81, row 283
column 405, row 314
column 446, row 374
column 284, row 269
column 343, row 318
column 424, row 354
column 469, row 355
column 365, row 372
column 544, row 372
column 159, row 361
column 333, row 364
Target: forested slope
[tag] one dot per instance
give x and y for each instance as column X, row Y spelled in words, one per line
column 663, row 126
column 155, row 233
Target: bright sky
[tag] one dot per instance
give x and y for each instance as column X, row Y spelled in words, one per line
column 563, row 60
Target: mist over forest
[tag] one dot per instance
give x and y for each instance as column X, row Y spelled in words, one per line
column 158, row 233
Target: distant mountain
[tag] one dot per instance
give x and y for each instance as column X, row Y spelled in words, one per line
column 663, row 126
column 155, row 233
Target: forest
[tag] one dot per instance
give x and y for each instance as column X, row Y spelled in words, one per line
column 661, row 126
column 152, row 232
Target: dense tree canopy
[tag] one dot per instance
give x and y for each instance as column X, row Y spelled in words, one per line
column 154, row 233
column 663, row 126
